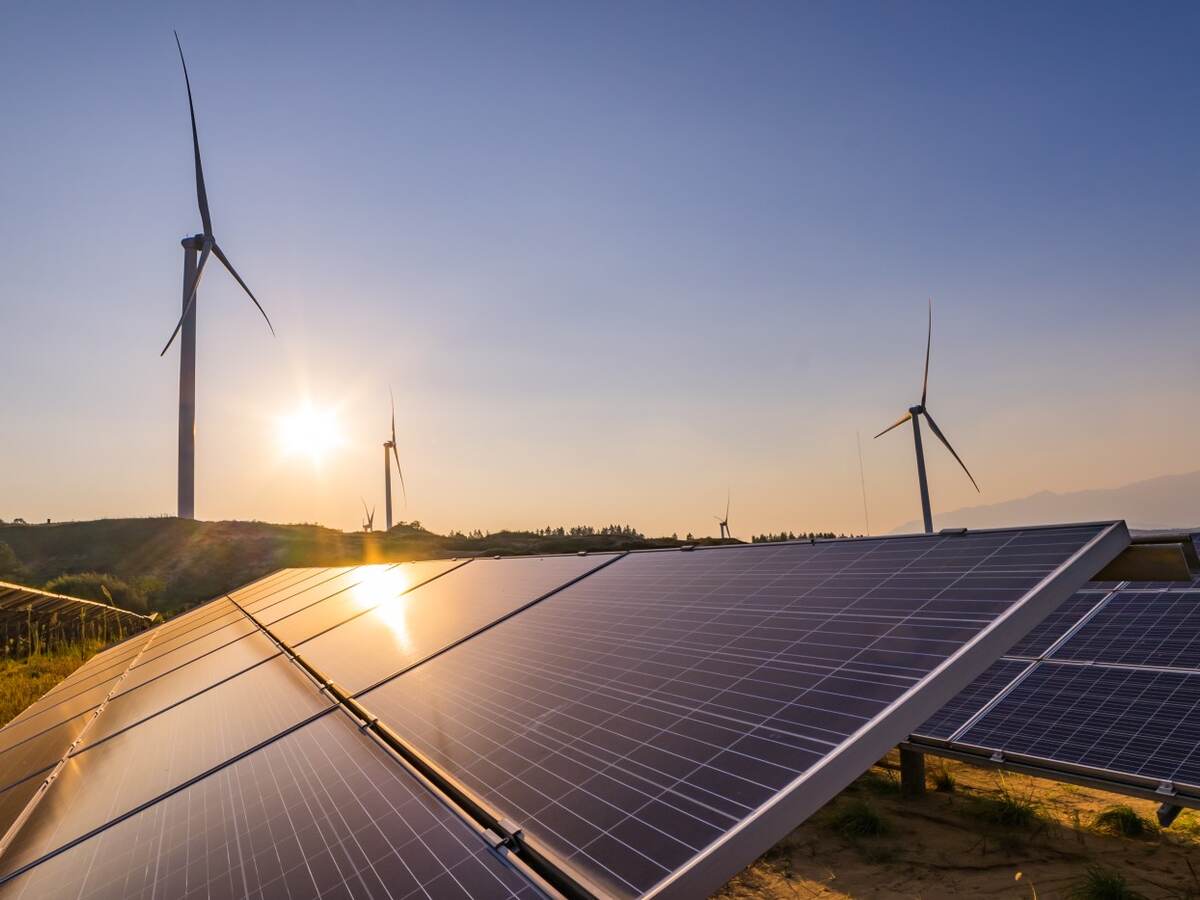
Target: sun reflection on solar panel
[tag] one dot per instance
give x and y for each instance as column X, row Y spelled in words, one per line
column 383, row 590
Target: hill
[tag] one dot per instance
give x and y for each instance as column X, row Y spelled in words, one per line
column 1171, row 501
column 188, row 562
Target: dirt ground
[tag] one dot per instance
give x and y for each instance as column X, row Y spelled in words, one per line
column 956, row 844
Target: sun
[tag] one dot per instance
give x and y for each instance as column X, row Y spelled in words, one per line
column 309, row 432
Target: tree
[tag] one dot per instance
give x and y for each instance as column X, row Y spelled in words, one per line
column 10, row 565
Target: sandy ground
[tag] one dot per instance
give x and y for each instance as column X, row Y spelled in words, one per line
column 946, row 845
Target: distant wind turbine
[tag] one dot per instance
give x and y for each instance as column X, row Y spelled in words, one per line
column 369, row 524
column 204, row 244
column 914, row 413
column 390, row 445
column 724, row 523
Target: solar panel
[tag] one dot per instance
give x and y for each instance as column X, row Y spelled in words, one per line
column 1160, row 628
column 321, row 812
column 650, row 723
column 401, row 631
column 163, row 752
column 659, row 723
column 1125, row 721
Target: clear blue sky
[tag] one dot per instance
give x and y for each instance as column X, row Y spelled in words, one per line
column 613, row 258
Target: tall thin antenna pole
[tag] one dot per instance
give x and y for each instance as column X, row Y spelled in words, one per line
column 862, row 477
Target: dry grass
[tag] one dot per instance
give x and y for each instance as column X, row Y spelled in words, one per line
column 992, row 836
column 23, row 680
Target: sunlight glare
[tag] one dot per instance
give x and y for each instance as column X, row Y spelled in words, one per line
column 383, row 589
column 310, row 432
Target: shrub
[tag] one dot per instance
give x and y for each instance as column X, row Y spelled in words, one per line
column 1102, row 884
column 1008, row 809
column 1122, row 820
column 943, row 781
column 857, row 818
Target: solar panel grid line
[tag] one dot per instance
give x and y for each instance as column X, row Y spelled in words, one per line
column 994, row 702
column 1083, row 621
column 321, row 812
column 7, row 876
column 88, row 743
column 407, row 589
column 436, row 653
column 1101, row 738
column 11, row 832
column 778, row 815
column 544, row 870
column 471, row 810
column 138, row 663
column 1159, row 629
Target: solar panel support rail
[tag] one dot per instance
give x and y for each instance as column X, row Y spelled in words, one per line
column 1052, row 772
column 553, row 876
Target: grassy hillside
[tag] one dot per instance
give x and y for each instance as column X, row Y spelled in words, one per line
column 188, row 562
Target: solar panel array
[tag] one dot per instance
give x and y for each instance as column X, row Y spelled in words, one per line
column 33, row 621
column 625, row 724
column 1107, row 688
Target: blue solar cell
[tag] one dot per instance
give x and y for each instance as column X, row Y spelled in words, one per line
column 321, row 812
column 1120, row 720
column 1160, row 628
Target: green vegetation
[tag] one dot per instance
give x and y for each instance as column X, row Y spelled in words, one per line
column 172, row 564
column 1007, row 809
column 1122, row 820
column 858, row 818
column 943, row 781
column 10, row 566
column 139, row 595
column 22, row 681
column 1099, row 883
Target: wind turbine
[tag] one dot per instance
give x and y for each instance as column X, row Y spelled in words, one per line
column 390, row 445
column 914, row 413
column 204, row 244
column 724, row 523
column 369, row 525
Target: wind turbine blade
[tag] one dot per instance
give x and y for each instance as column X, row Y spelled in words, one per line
column 900, row 421
column 208, row 246
column 365, row 513
column 393, row 396
column 726, row 506
column 225, row 262
column 941, row 437
column 201, row 194
column 928, row 344
column 400, row 472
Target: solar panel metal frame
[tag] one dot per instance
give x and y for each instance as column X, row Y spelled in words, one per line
column 737, row 848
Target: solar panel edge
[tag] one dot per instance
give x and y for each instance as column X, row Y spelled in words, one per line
column 772, row 821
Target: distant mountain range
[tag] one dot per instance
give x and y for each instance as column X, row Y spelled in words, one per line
column 1172, row 501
